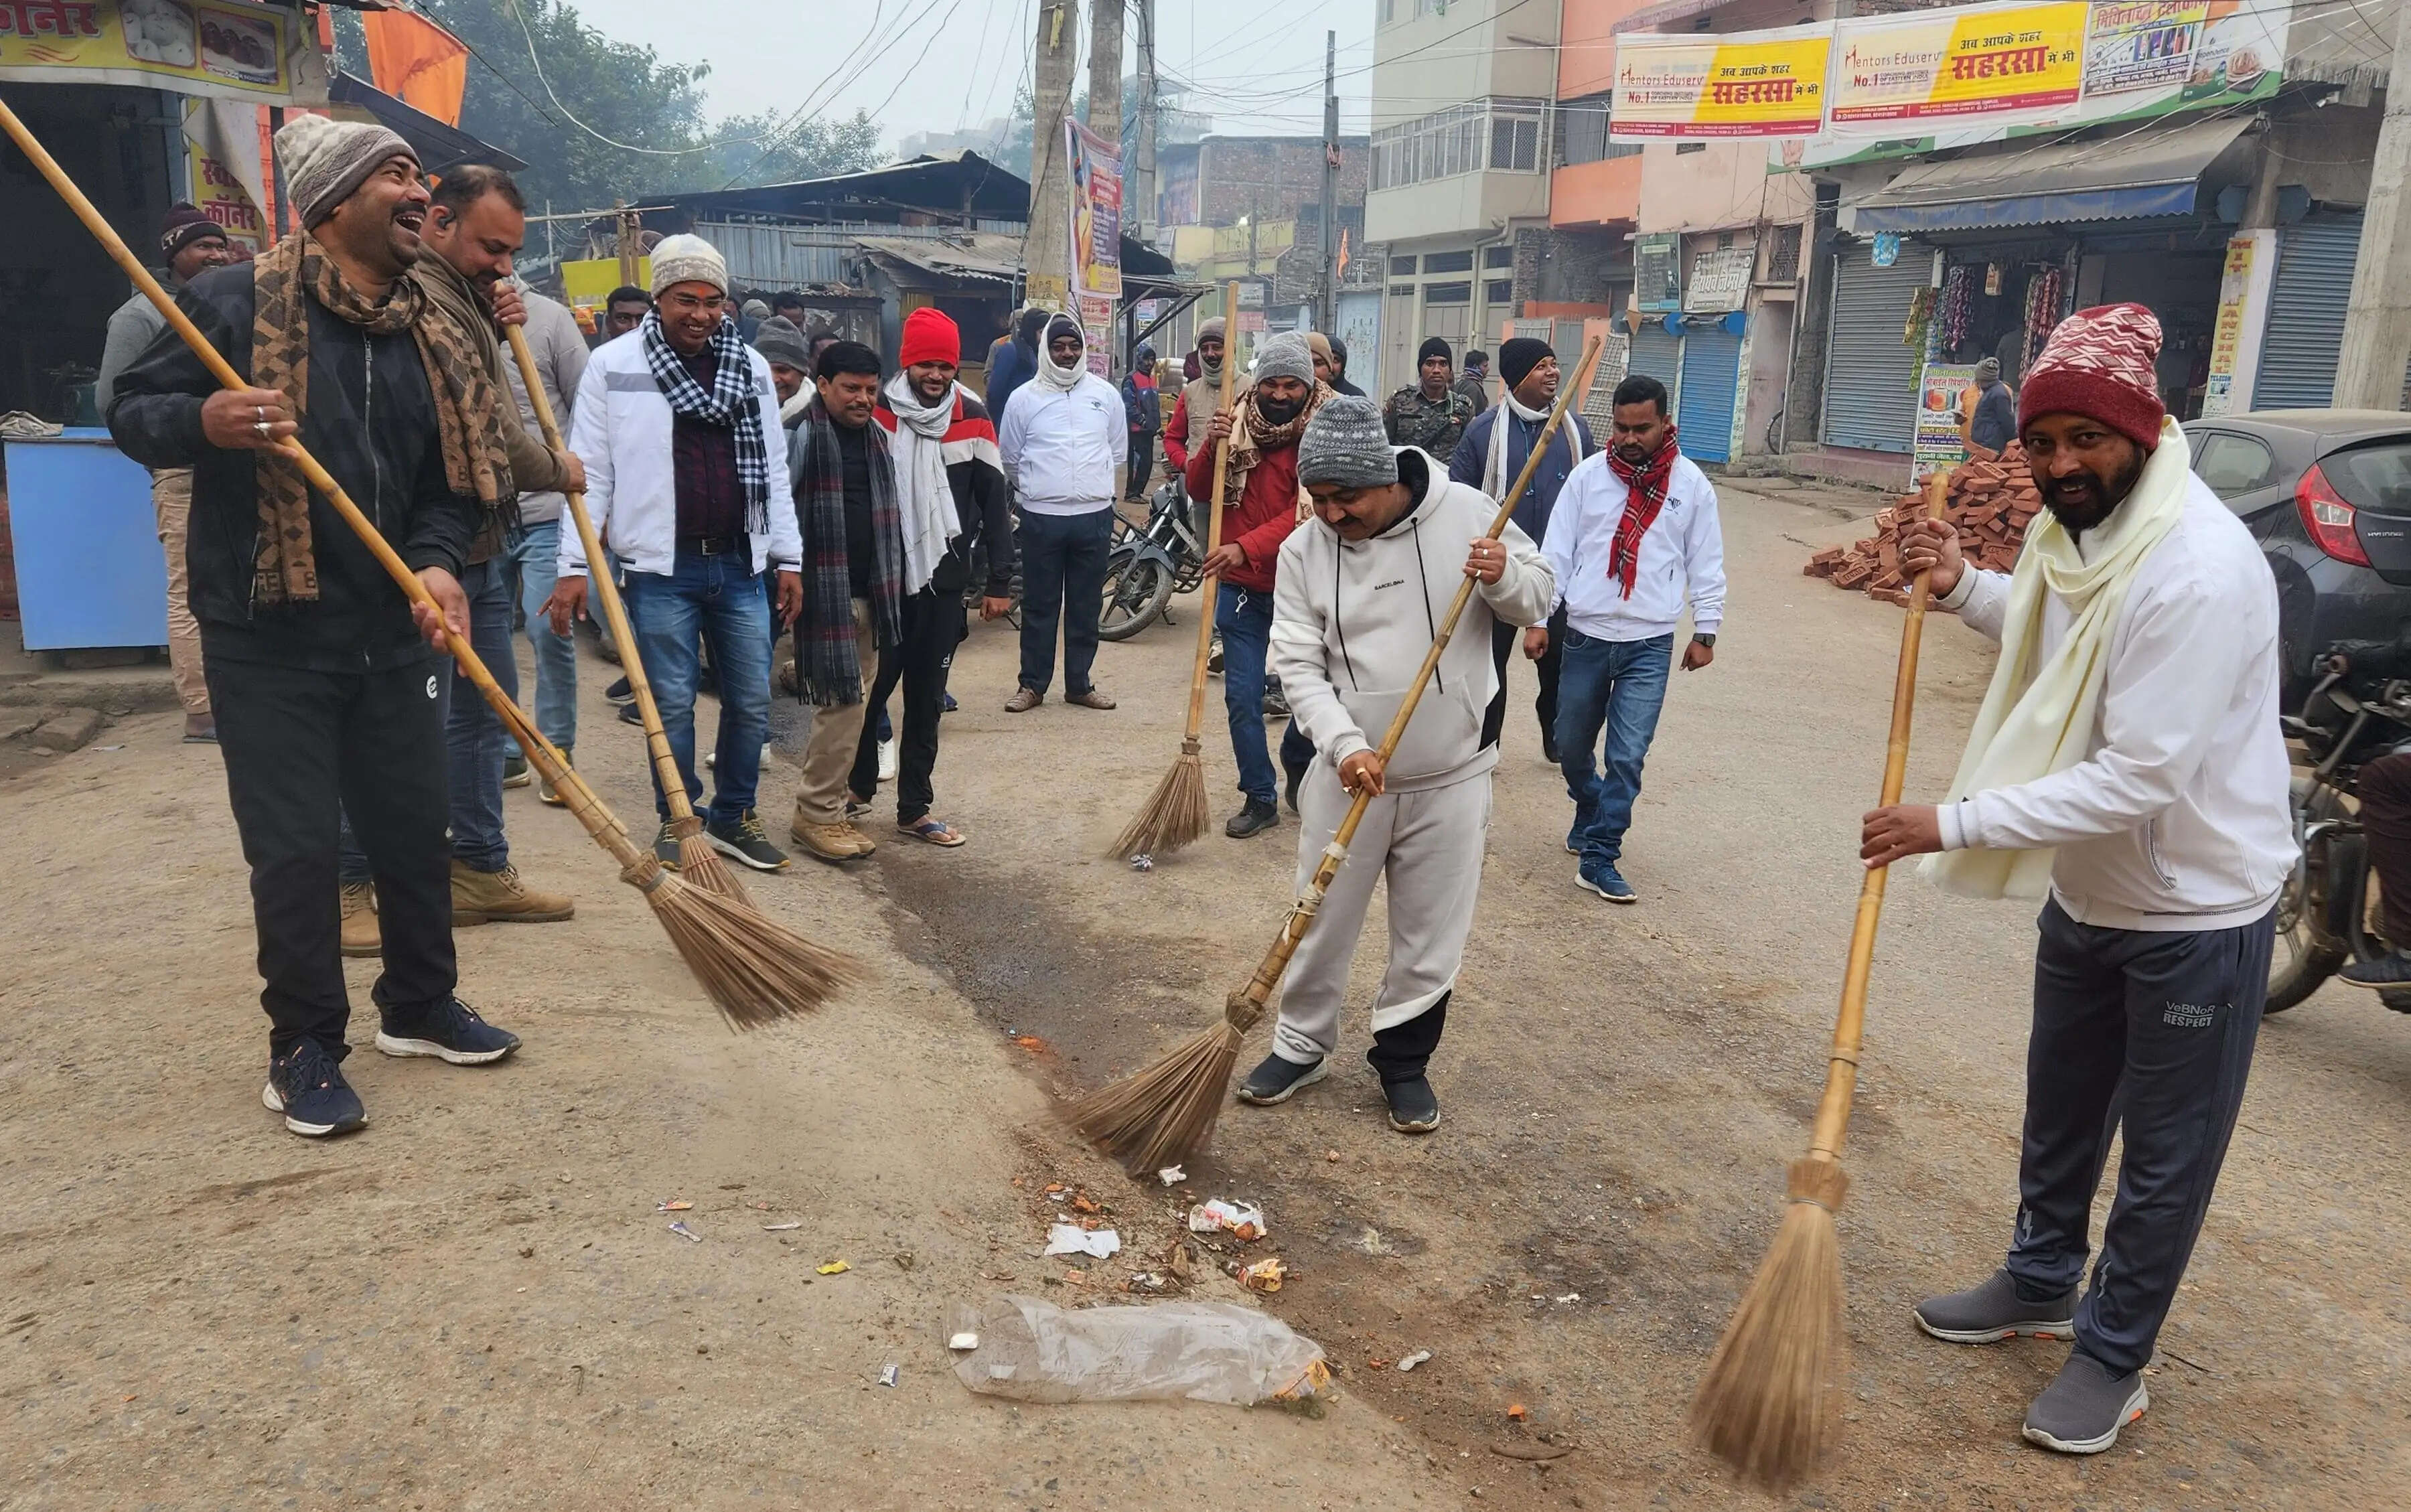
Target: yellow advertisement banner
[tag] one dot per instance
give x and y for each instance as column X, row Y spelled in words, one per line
column 219, row 194
column 590, row 280
column 1959, row 65
column 1769, row 83
column 219, row 47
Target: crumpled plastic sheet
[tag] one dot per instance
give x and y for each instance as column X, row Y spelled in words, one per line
column 1034, row 1351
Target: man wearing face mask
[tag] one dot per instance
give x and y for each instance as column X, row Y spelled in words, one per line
column 2127, row 762
column 1062, row 438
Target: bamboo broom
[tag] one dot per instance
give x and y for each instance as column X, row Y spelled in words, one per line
column 698, row 862
column 1174, row 814
column 754, row 970
column 1164, row 1114
column 1769, row 1404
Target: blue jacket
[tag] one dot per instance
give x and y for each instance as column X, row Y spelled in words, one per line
column 1012, row 366
column 1143, row 406
column 1473, row 450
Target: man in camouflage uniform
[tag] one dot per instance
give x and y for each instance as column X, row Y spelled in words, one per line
column 1430, row 414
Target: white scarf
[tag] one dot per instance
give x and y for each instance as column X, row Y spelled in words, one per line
column 1061, row 379
column 925, row 497
column 796, row 406
column 1493, row 465
column 2040, row 720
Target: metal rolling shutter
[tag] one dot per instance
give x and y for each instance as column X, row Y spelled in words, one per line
column 1654, row 354
column 1870, row 377
column 2306, row 313
column 1711, row 372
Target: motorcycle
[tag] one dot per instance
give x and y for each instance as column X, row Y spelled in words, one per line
column 1149, row 564
column 2325, row 917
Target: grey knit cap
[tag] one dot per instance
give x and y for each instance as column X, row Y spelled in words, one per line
column 778, row 340
column 1285, row 356
column 323, row 160
column 1344, row 444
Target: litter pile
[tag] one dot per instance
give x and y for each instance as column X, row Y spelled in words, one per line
column 1990, row 503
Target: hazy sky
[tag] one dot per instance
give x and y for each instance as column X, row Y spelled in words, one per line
column 949, row 65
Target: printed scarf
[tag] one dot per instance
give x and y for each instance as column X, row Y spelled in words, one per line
column 286, row 282
column 1252, row 436
column 827, row 670
column 732, row 401
column 1646, row 481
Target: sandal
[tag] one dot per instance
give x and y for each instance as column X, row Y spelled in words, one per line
column 937, row 831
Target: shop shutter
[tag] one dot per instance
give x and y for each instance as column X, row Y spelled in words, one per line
column 2306, row 313
column 1653, row 355
column 1711, row 372
column 1870, row 377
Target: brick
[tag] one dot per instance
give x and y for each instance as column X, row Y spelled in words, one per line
column 70, row 731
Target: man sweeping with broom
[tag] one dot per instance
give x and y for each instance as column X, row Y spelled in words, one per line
column 1358, row 591
column 2127, row 761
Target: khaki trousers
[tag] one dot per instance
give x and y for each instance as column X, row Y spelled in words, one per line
column 171, row 498
column 829, row 753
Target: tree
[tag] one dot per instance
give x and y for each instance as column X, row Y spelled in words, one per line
column 762, row 148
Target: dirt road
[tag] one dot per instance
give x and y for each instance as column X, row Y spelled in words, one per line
column 475, row 1303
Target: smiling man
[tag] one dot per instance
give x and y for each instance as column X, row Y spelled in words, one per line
column 1061, row 438
column 2127, row 761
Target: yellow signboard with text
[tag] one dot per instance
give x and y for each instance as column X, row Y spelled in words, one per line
column 1769, row 83
column 1935, row 67
column 221, row 48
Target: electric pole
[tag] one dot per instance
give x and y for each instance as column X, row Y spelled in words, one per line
column 1138, row 207
column 1046, row 253
column 1105, row 69
column 2377, row 319
column 1326, row 309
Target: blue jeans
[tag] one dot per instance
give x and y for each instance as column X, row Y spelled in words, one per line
column 1062, row 578
column 718, row 599
column 537, row 556
column 1620, row 686
column 1245, row 617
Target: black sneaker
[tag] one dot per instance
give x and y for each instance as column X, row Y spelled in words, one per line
column 516, row 773
column 619, row 693
column 2085, row 1404
column 1258, row 817
column 1994, row 1310
column 1289, row 789
column 1277, row 1081
column 1276, row 703
column 451, row 1031
column 1549, row 747
column 307, row 1086
column 1414, row 1107
column 666, row 847
column 631, row 713
column 745, row 843
column 2385, row 972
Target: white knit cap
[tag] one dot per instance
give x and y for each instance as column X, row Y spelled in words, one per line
column 688, row 259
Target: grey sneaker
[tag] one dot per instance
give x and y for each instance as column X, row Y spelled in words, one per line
column 1989, row 1313
column 1277, row 1080
column 2084, row 1405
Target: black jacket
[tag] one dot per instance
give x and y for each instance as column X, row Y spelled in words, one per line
column 982, row 504
column 370, row 422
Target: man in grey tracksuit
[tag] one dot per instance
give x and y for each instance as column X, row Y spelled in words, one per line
column 1358, row 597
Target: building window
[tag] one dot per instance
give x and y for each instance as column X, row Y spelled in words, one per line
column 1402, row 268
column 1515, row 137
column 1448, row 262
column 1498, row 256
column 1681, row 148
column 1582, row 132
column 1502, row 135
column 1448, row 294
column 1783, row 257
column 1402, row 291
column 1499, row 291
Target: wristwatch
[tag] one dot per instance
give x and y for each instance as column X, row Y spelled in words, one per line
column 1709, row 641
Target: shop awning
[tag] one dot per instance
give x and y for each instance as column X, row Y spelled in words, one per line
column 2129, row 174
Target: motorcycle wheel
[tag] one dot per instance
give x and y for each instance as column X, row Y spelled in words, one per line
column 1136, row 590
column 2306, row 953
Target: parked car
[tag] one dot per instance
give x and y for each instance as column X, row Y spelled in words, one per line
column 2327, row 495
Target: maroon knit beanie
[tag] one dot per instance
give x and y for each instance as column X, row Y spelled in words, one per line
column 2099, row 364
column 186, row 224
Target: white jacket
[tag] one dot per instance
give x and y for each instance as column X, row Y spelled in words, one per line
column 1060, row 448
column 1353, row 619
column 622, row 433
column 1682, row 556
column 2179, row 817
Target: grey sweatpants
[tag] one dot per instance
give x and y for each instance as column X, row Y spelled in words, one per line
column 1428, row 844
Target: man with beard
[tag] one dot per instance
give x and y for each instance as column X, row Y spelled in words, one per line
column 2127, row 761
column 1260, row 504
column 323, row 676
column 1429, row 414
column 1635, row 536
column 1491, row 456
column 1062, row 440
column 950, row 493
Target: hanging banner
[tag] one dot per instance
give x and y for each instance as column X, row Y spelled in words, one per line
column 1769, row 83
column 1940, row 388
column 2148, row 45
column 1947, row 67
column 1096, row 213
column 220, row 48
column 2234, row 334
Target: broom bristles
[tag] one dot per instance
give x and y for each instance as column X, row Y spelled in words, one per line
column 1770, row 1401
column 755, row 971
column 700, row 865
column 1174, row 814
column 1164, row 1114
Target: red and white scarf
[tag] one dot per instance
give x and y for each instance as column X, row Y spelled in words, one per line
column 1646, row 481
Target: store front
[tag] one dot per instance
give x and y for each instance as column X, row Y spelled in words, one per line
column 1870, row 366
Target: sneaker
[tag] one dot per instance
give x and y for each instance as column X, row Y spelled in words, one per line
column 1414, row 1107
column 481, row 897
column 1296, row 778
column 1992, row 1310
column 744, row 843
column 1573, row 841
column 1092, row 698
column 826, row 842
column 1603, row 878
column 361, row 936
column 516, row 772
column 544, row 792
column 1549, row 748
column 887, row 760
column 308, row 1088
column 949, row 706
column 619, row 693
column 1258, row 817
column 451, row 1031
column 2386, row 972
column 631, row 713
column 2084, row 1405
column 1277, row 1081
column 1024, row 700
column 1213, row 657
column 1276, row 703
column 666, row 847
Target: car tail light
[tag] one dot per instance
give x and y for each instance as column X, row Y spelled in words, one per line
column 2329, row 519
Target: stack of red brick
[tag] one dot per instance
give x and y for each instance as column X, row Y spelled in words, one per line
column 1990, row 503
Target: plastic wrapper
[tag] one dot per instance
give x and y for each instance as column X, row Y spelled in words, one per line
column 1034, row 1351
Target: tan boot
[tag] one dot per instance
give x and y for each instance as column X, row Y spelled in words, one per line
column 828, row 842
column 361, row 936
column 501, row 898
column 863, row 844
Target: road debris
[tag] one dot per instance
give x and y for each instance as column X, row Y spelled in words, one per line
column 780, row 1227
column 1531, row 1452
column 1241, row 1220
column 1070, row 1238
column 1172, row 1175
column 1518, row 1410
column 968, row 1339
column 1411, row 1361
column 685, row 1232
column 906, row 1259
column 1034, row 1351
column 1141, row 862
column 834, row 1268
column 675, row 1204
column 1264, row 1276
column 887, row 1375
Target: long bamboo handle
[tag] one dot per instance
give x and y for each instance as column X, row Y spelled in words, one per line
column 589, row 810
column 1842, row 1070
column 1212, row 588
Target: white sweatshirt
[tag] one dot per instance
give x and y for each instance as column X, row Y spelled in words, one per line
column 1353, row 619
column 2179, row 817
column 1682, row 555
column 1060, row 448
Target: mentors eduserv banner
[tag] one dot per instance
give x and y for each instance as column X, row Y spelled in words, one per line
column 1769, row 83
column 1970, row 64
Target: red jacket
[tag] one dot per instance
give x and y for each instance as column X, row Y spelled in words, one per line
column 1176, row 434
column 1264, row 516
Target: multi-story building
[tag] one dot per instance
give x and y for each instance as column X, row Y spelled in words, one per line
column 1250, row 208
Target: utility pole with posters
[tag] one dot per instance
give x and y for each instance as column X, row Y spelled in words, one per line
column 1046, row 248
column 1105, row 69
column 1326, row 309
column 2377, row 319
column 1138, row 206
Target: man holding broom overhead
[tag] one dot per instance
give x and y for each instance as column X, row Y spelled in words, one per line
column 1360, row 590
column 2126, row 761
column 327, row 695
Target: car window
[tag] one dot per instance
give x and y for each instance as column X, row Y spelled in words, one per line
column 2374, row 477
column 2233, row 465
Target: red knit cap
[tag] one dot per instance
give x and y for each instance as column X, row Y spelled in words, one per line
column 930, row 336
column 2099, row 364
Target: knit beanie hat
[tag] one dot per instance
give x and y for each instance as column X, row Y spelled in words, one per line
column 755, row 310
column 2099, row 364
column 1320, row 345
column 1285, row 356
column 323, row 160
column 1344, row 444
column 778, row 340
column 688, row 259
column 183, row 227
column 1211, row 330
column 931, row 335
column 1518, row 355
column 1434, row 346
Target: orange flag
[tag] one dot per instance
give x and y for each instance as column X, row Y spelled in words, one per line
column 417, row 62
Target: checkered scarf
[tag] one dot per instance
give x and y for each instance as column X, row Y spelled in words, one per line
column 732, row 401
column 828, row 669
